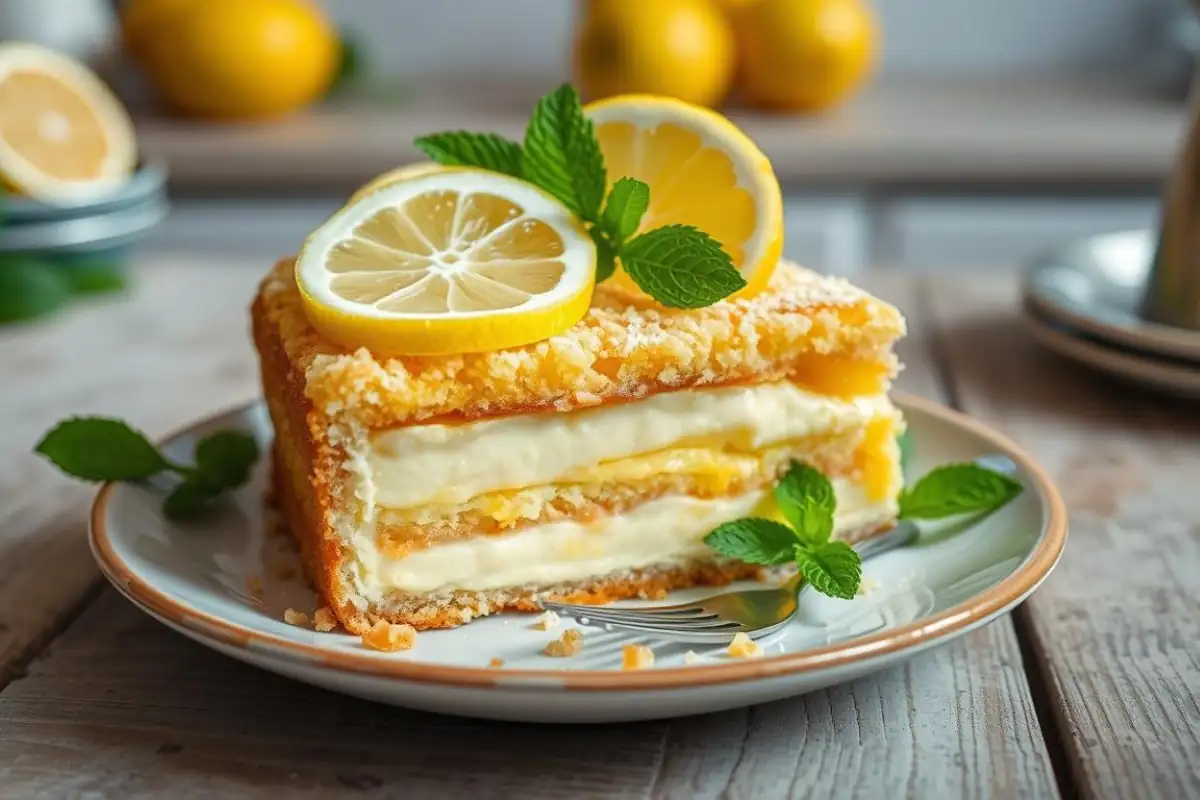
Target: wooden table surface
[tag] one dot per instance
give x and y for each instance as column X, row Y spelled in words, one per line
column 1089, row 689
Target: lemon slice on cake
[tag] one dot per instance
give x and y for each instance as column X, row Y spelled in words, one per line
column 453, row 260
column 702, row 171
column 63, row 134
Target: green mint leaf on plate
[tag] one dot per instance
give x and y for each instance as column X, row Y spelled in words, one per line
column 833, row 568
column 754, row 540
column 806, row 500
column 189, row 498
column 224, row 459
column 100, row 449
column 681, row 267
column 957, row 489
column 627, row 202
column 562, row 153
column 606, row 256
column 466, row 149
column 29, row 289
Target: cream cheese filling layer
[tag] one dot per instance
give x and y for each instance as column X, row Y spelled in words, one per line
column 439, row 464
column 669, row 530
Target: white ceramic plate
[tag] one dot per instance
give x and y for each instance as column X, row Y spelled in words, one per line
column 1096, row 287
column 198, row 579
column 1174, row 377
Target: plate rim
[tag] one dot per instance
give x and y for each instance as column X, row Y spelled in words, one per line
column 1152, row 337
column 1003, row 596
column 1147, row 370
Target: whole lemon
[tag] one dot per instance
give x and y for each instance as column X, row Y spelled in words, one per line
column 678, row 48
column 145, row 24
column 803, row 54
column 247, row 59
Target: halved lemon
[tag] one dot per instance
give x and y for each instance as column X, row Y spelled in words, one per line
column 702, row 171
column 455, row 260
column 63, row 134
column 395, row 176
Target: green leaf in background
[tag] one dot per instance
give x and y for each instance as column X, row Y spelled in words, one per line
column 351, row 63
column 29, row 289
column 92, row 275
column 466, row 149
column 681, row 266
column 833, row 568
column 562, row 153
column 224, row 459
column 101, row 449
column 627, row 202
column 957, row 489
column 754, row 540
column 905, row 442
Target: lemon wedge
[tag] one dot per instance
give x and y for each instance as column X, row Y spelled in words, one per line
column 63, row 134
column 702, row 171
column 454, row 260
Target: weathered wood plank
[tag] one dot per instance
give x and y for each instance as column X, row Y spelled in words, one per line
column 1116, row 627
column 175, row 349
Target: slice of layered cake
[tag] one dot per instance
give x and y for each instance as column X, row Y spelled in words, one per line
column 587, row 467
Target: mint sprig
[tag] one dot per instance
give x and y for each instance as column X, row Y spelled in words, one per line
column 956, row 489
column 101, row 449
column 807, row 501
column 677, row 265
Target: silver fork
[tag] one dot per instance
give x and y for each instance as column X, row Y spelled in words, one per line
column 755, row 612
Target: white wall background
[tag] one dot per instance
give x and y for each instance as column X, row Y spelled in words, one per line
column 432, row 37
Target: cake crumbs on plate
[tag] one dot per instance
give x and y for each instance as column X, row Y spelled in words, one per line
column 743, row 646
column 636, row 656
column 389, row 638
column 547, row 621
column 868, row 586
column 570, row 643
column 692, row 657
column 293, row 617
column 657, row 593
column 496, row 663
column 324, row 619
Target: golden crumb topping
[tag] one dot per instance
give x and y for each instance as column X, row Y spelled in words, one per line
column 743, row 646
column 324, row 620
column 620, row 350
column 293, row 617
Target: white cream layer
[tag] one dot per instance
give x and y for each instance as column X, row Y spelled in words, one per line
column 438, row 464
column 663, row 531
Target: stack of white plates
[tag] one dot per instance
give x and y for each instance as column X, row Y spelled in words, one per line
column 1084, row 301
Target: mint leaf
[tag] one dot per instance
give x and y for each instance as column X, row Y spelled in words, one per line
column 562, row 153
column 680, row 266
column 92, row 275
column 29, row 289
column 627, row 202
column 224, row 459
column 833, row 568
column 466, row 149
column 957, row 489
column 806, row 500
column 189, row 497
column 99, row 449
column 754, row 540
column 606, row 256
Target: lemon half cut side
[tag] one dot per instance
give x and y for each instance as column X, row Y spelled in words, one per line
column 456, row 260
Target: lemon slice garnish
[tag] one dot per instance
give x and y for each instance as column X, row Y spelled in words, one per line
column 453, row 260
column 702, row 171
column 63, row 134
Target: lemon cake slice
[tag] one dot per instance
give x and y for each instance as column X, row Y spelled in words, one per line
column 431, row 490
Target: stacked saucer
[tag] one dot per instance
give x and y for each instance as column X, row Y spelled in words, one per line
column 1084, row 303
